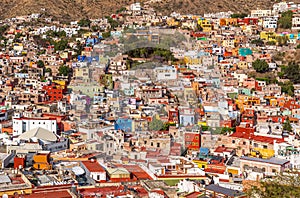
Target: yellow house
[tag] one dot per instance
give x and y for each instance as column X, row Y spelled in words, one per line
column 86, row 35
column 243, row 65
column 61, row 83
column 229, row 43
column 172, row 22
column 202, row 123
column 268, row 36
column 192, row 60
column 200, row 163
column 18, row 46
column 244, row 101
column 205, row 24
column 261, row 152
column 233, row 170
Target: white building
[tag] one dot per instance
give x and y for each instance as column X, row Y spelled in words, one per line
column 22, row 124
column 261, row 13
column 166, row 73
column 296, row 22
column 135, row 7
column 270, row 22
column 94, row 170
column 280, row 7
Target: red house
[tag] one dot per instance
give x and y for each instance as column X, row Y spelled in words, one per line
column 245, row 128
column 54, row 92
column 248, row 116
column 19, row 161
column 173, row 115
column 192, row 140
column 248, row 21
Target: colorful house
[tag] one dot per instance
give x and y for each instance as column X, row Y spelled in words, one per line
column 205, row 24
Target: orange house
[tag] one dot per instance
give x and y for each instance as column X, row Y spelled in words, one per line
column 41, row 161
column 228, row 21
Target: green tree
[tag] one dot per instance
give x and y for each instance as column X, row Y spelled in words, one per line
column 260, row 66
column 113, row 23
column 84, row 23
column 287, row 125
column 287, row 87
column 17, row 37
column 40, row 64
column 48, row 70
column 239, row 15
column 271, row 43
column 257, row 42
column 156, row 125
column 292, row 72
column 64, row 70
column 282, row 40
column 285, row 21
column 3, row 29
column 95, row 28
column 105, row 34
column 61, row 45
column 284, row 186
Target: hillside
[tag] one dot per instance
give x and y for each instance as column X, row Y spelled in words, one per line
column 76, row 9
column 62, row 9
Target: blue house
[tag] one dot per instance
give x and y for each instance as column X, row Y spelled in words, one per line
column 186, row 116
column 91, row 41
column 245, row 51
column 81, row 58
column 125, row 124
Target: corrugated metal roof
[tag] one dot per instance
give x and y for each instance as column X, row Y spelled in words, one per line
column 224, row 191
column 4, row 179
column 273, row 160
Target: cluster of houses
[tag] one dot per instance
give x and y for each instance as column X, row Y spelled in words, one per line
column 88, row 120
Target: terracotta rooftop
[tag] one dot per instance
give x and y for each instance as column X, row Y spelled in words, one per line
column 93, row 166
column 258, row 138
column 61, row 193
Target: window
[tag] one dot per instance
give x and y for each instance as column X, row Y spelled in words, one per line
column 274, row 171
column 233, row 141
column 151, row 144
column 158, row 144
column 244, row 143
column 196, row 138
column 255, row 145
column 219, row 139
column 265, row 146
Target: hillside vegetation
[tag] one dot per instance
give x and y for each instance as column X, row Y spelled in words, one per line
column 76, row 9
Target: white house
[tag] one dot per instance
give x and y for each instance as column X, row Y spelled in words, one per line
column 261, row 13
column 296, row 22
column 23, row 124
column 94, row 170
column 135, row 7
column 270, row 22
column 166, row 73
